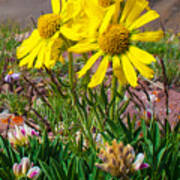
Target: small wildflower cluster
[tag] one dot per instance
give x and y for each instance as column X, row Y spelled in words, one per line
column 26, row 169
column 20, row 135
column 119, row 160
column 11, row 76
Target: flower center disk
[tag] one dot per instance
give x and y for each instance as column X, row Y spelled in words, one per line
column 48, row 24
column 114, row 40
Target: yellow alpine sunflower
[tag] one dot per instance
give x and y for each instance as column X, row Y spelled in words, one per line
column 114, row 42
column 88, row 20
column 43, row 47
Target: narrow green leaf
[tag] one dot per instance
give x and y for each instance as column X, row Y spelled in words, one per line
column 157, row 137
column 81, row 168
column 46, row 170
column 160, row 156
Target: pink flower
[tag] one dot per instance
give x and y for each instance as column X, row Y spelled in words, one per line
column 34, row 172
column 138, row 164
column 25, row 169
column 20, row 135
column 34, row 133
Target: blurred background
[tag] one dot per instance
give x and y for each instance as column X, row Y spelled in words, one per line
column 21, row 11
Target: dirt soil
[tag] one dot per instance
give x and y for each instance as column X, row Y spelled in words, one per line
column 21, row 11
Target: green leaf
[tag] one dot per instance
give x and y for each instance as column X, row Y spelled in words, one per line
column 136, row 136
column 122, row 109
column 103, row 95
column 91, row 161
column 5, row 174
column 4, row 160
column 114, row 127
column 57, row 168
column 144, row 128
column 157, row 137
column 71, row 169
column 46, row 170
column 81, row 168
column 160, row 156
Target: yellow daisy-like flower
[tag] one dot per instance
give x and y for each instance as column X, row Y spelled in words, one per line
column 113, row 42
column 86, row 22
column 43, row 47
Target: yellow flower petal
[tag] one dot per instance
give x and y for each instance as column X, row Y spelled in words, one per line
column 40, row 58
column 89, row 63
column 144, row 19
column 70, row 33
column 150, row 36
column 142, row 55
column 31, row 57
column 143, row 69
column 99, row 75
column 137, row 9
column 129, row 71
column 28, row 44
column 93, row 10
column 128, row 6
column 70, row 9
column 55, row 4
column 61, row 59
column 83, row 47
column 117, row 11
column 107, row 19
column 118, row 71
column 48, row 62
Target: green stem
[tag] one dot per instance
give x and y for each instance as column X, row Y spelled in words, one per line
column 76, row 100
column 98, row 119
column 113, row 94
column 70, row 69
column 95, row 107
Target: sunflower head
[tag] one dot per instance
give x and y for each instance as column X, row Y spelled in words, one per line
column 114, row 40
column 48, row 24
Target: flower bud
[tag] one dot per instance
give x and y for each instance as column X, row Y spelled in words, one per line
column 34, row 172
column 139, row 160
column 17, row 169
column 25, row 164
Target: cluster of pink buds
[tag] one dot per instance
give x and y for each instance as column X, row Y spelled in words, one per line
column 20, row 135
column 26, row 169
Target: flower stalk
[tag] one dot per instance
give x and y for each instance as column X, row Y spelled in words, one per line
column 113, row 96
